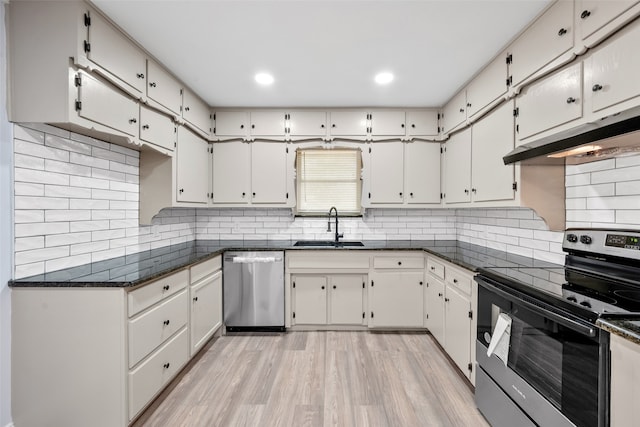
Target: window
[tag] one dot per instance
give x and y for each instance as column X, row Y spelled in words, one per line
column 329, row 177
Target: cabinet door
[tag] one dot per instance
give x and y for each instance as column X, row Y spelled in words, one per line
column 397, row 300
column 206, row 310
column 309, row 300
column 348, row 123
column 114, row 52
column 434, row 308
column 192, row 167
column 492, row 138
column 269, row 172
column 458, row 168
column 422, row 123
column 455, row 112
column 551, row 102
column 267, row 123
column 163, row 88
column 388, row 123
column 625, row 381
column 544, row 41
column 231, row 123
column 457, row 334
column 231, row 172
column 386, row 172
column 422, row 172
column 196, row 112
column 347, row 299
column 157, row 128
column 611, row 73
column 308, row 123
column 103, row 104
column 595, row 14
column 487, row 86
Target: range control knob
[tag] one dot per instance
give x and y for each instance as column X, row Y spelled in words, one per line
column 585, row 239
column 572, row 299
column 572, row 238
column 586, row 304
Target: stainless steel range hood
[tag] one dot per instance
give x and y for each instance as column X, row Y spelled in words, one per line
column 612, row 136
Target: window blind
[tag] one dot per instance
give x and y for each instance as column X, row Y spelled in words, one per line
column 327, row 178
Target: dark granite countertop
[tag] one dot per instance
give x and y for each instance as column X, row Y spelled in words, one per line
column 132, row 270
column 628, row 327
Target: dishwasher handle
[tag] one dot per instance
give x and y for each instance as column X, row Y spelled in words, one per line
column 237, row 259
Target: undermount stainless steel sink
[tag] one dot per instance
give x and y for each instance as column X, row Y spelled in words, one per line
column 326, row 243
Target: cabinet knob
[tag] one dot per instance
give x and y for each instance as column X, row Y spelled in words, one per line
column 446, row 300
column 596, row 87
column 165, row 288
column 333, row 125
column 571, row 100
column 473, row 190
column 186, row 108
column 413, row 126
column 432, row 268
column 411, row 194
column 166, row 322
column 181, row 190
column 399, row 262
column 455, row 280
column 402, row 125
column 469, row 104
column 420, row 283
column 462, row 110
column 141, row 76
column 145, row 126
column 152, row 84
column 253, row 126
column 562, row 31
column 132, row 121
column 195, row 299
column 322, row 126
column 400, row 194
column 440, row 294
column 334, row 286
column 322, row 287
column 244, row 194
column 241, row 126
column 466, row 191
column 166, row 365
column 254, row 194
column 585, row 14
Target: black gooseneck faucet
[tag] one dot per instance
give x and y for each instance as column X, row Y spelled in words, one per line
column 338, row 236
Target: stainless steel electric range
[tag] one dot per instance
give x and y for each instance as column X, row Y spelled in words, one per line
column 549, row 362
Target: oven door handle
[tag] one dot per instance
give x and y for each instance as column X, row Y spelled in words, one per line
column 581, row 328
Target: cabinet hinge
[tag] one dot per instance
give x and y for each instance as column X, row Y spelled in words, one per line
column 369, row 195
column 211, row 116
column 509, row 81
column 438, row 116
column 78, row 81
column 294, row 285
column 78, row 105
column 509, row 59
column 470, row 314
column 517, row 128
column 369, row 149
column 287, row 150
column 440, row 129
column 87, row 47
column 372, row 314
column 427, row 316
column 444, row 195
column 294, row 314
column 214, row 129
column 441, row 196
column 181, row 93
column 287, row 195
column 514, row 186
column 175, row 145
column 362, row 285
column 441, row 150
column 469, row 367
column 372, row 283
column 363, row 314
column 87, row 19
column 516, row 112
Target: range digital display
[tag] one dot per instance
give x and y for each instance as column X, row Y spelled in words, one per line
column 623, row 241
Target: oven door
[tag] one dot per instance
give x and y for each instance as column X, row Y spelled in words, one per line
column 557, row 364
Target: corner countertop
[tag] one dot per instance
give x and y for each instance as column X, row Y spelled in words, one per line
column 628, row 328
column 135, row 269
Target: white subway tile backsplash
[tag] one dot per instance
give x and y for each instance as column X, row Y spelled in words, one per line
column 615, row 202
column 591, row 167
column 88, row 160
column 28, row 135
column 86, row 182
column 67, row 239
column 88, row 204
column 36, row 255
column 66, row 262
column 67, row 144
column 33, row 202
column 41, row 229
column 39, row 150
column 600, row 190
column 28, row 162
column 88, row 248
column 29, row 243
column 627, row 188
column 67, row 215
column 40, row 177
column 66, row 168
column 616, row 175
column 108, row 155
column 28, row 189
column 66, row 191
column 31, row 215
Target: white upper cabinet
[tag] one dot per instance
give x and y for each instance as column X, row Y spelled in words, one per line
column 231, row 172
column 157, row 128
column 454, row 113
column 611, row 72
column 487, row 87
column 268, row 123
column 458, row 168
column 196, row 113
column 232, row 124
column 387, row 123
column 593, row 16
column 422, row 172
column 422, row 123
column 163, row 88
column 545, row 45
column 192, row 167
column 102, row 103
column 492, row 138
column 348, row 123
column 306, row 124
column 550, row 102
column 269, row 172
column 386, row 172
column 115, row 53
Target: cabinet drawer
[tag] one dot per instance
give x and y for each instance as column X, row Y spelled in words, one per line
column 153, row 327
column 205, row 268
column 321, row 259
column 150, row 294
column 436, row 268
column 398, row 262
column 458, row 280
column 148, row 378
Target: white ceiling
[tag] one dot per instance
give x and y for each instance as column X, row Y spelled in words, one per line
column 323, row 53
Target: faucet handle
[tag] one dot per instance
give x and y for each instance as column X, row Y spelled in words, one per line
column 341, row 235
column 329, row 226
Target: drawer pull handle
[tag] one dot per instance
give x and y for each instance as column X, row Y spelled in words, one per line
column 455, row 280
column 446, row 300
column 562, row 32
column 140, row 75
column 145, row 126
column 440, row 294
column 195, row 299
column 166, row 365
column 152, row 84
column 165, row 288
column 585, row 14
column 166, row 322
column 596, row 87
column 571, row 100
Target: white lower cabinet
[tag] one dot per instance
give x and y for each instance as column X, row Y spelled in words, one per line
column 625, row 381
column 309, row 299
column 434, row 308
column 346, row 299
column 205, row 302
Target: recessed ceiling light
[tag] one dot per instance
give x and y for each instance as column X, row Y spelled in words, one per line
column 264, row 78
column 384, row 78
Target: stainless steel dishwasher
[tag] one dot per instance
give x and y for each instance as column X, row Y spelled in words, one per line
column 253, row 284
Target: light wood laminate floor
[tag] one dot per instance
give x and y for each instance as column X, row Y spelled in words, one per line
column 318, row 379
